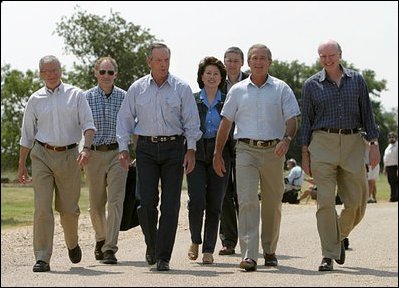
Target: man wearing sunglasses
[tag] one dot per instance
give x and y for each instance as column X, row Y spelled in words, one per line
column 104, row 172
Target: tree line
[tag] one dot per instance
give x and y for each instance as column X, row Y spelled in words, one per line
column 89, row 36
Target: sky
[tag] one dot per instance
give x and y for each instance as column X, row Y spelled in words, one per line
column 366, row 31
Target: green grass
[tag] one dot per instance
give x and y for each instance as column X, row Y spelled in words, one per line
column 17, row 201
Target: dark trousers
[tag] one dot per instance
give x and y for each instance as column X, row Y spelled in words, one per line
column 206, row 192
column 159, row 161
column 228, row 232
column 393, row 181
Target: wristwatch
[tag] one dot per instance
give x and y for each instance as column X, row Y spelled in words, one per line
column 288, row 137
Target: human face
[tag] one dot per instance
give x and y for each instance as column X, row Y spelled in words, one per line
column 105, row 81
column 211, row 76
column 259, row 62
column 50, row 73
column 330, row 57
column 233, row 63
column 159, row 63
column 391, row 138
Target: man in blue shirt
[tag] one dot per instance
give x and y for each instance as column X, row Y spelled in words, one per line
column 161, row 110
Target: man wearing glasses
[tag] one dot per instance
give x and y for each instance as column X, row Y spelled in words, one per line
column 104, row 171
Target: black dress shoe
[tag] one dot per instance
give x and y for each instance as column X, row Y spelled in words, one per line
column 346, row 243
column 75, row 254
column 270, row 259
column 97, row 251
column 341, row 259
column 109, row 257
column 162, row 265
column 150, row 256
column 41, row 266
column 326, row 265
column 248, row 264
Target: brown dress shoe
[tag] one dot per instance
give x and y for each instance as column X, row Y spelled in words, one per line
column 248, row 264
column 326, row 265
column 227, row 251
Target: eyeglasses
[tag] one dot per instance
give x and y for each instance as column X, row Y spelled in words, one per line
column 110, row 72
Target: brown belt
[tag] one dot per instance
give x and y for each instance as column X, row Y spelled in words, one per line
column 105, row 147
column 340, row 131
column 259, row 143
column 160, row 139
column 57, row 148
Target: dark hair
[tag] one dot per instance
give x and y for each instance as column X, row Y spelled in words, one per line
column 235, row 50
column 154, row 46
column 211, row 61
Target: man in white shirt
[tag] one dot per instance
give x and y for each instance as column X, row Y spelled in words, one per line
column 391, row 165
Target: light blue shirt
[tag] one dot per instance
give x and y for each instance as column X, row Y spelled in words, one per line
column 260, row 113
column 149, row 110
column 212, row 118
column 57, row 118
column 296, row 176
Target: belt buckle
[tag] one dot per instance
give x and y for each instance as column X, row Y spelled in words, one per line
column 259, row 143
column 340, row 131
column 154, row 139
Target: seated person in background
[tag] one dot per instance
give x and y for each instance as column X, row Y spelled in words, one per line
column 310, row 191
column 293, row 182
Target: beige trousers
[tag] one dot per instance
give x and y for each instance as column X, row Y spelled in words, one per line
column 256, row 166
column 54, row 173
column 107, row 182
column 338, row 164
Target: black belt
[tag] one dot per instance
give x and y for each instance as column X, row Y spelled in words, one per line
column 160, row 139
column 259, row 143
column 57, row 148
column 104, row 147
column 340, row 131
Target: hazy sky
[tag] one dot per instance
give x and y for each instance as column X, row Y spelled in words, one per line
column 367, row 32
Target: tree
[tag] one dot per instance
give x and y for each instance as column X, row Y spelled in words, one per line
column 16, row 87
column 89, row 37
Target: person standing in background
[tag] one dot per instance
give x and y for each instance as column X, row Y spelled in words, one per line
column 106, row 177
column 54, row 119
column 233, row 60
column 391, row 165
column 206, row 189
column 335, row 108
column 264, row 110
column 161, row 110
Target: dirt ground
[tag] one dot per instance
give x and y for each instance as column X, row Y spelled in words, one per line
column 371, row 261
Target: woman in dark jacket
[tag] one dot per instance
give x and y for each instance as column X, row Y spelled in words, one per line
column 206, row 189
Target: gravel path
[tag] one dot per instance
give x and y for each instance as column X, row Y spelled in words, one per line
column 371, row 261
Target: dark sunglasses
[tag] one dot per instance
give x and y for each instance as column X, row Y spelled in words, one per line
column 110, row 72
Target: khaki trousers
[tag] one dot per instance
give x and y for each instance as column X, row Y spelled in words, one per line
column 256, row 166
column 54, row 173
column 338, row 164
column 107, row 182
